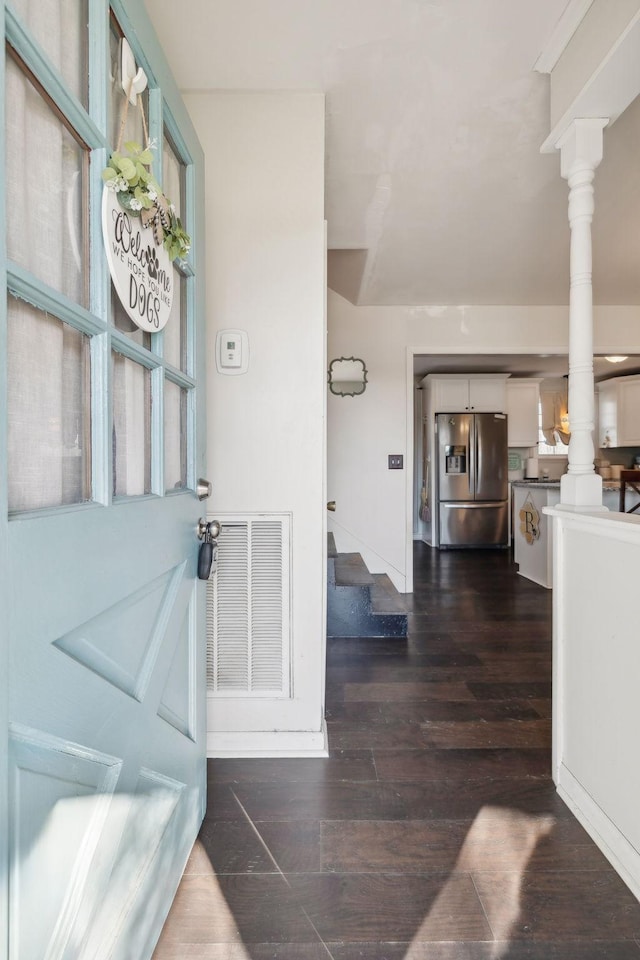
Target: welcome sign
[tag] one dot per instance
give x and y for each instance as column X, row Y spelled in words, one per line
column 142, row 272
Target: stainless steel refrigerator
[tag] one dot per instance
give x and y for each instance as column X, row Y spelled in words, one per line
column 472, row 466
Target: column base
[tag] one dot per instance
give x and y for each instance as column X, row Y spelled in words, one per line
column 582, row 491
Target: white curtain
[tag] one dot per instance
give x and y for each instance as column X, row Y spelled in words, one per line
column 59, row 26
column 47, row 361
column 555, row 412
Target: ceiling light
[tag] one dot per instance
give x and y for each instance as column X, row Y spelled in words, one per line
column 615, row 359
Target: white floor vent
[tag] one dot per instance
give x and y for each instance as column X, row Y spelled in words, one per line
column 248, row 622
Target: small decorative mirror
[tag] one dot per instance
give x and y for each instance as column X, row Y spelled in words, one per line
column 347, row 377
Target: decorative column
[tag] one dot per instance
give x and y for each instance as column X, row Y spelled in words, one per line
column 581, row 151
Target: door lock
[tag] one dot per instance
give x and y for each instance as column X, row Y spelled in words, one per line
column 203, row 488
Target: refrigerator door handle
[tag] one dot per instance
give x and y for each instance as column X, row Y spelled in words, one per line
column 473, row 455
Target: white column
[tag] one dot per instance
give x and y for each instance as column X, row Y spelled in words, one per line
column 581, row 152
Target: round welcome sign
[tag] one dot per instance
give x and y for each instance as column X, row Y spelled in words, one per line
column 142, row 272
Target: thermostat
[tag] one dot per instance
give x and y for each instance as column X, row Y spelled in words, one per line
column 232, row 351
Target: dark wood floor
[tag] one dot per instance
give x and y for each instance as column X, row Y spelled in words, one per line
column 433, row 831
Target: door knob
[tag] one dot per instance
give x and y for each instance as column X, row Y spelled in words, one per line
column 208, row 529
column 203, row 488
column 331, row 506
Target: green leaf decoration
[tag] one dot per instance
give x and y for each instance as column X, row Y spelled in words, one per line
column 140, row 195
column 146, row 157
column 127, row 169
column 133, row 147
column 109, row 174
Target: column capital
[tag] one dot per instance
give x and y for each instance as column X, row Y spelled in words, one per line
column 581, row 145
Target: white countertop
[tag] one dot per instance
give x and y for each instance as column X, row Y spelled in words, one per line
column 540, row 484
column 554, row 484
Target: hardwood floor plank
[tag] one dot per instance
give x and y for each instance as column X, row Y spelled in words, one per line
column 510, row 691
column 557, row 905
column 486, row 672
column 463, row 711
column 499, row 839
column 396, row 800
column 505, row 950
column 398, row 735
column 237, row 909
column 453, row 764
column 243, row 847
column 486, row 734
column 243, row 951
column 392, row 907
column 341, row 765
column 409, row 691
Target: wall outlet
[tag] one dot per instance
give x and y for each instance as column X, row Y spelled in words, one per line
column 396, row 461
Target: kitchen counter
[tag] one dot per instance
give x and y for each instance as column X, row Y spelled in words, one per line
column 532, row 529
column 532, row 540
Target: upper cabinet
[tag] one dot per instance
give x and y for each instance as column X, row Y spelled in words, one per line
column 523, row 397
column 450, row 393
column 619, row 412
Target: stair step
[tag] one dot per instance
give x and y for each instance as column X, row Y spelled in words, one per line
column 352, row 610
column 331, row 546
column 351, row 571
column 385, row 598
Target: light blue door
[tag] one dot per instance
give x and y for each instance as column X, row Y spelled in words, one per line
column 102, row 704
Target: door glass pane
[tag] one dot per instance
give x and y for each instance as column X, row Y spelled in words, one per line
column 124, row 323
column 175, row 332
column 46, row 207
column 49, row 420
column 174, row 185
column 125, row 122
column 60, row 27
column 131, row 436
column 175, row 436
column 173, row 175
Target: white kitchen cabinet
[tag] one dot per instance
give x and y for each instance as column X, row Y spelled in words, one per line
column 454, row 394
column 619, row 412
column 523, row 397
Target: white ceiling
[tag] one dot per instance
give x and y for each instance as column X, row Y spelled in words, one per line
column 436, row 192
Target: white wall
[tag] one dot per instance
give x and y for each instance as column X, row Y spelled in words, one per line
column 265, row 253
column 596, row 661
column 374, row 506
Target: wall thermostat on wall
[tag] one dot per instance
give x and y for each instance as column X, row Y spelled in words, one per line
column 232, row 351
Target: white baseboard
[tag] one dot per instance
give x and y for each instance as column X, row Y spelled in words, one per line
column 276, row 743
column 622, row 856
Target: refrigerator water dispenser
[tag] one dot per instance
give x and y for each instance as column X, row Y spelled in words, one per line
column 455, row 460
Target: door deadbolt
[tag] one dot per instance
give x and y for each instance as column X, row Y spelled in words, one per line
column 203, row 488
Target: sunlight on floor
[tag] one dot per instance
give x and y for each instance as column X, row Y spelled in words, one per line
column 499, row 839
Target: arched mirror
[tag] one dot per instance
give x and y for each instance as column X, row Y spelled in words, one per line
column 347, row 377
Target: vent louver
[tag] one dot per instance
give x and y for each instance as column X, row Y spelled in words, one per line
column 248, row 631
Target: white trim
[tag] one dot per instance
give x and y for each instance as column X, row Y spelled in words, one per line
column 574, row 14
column 622, row 856
column 610, row 89
column 276, row 743
column 409, row 465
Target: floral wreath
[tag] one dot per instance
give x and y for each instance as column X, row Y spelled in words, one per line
column 138, row 192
